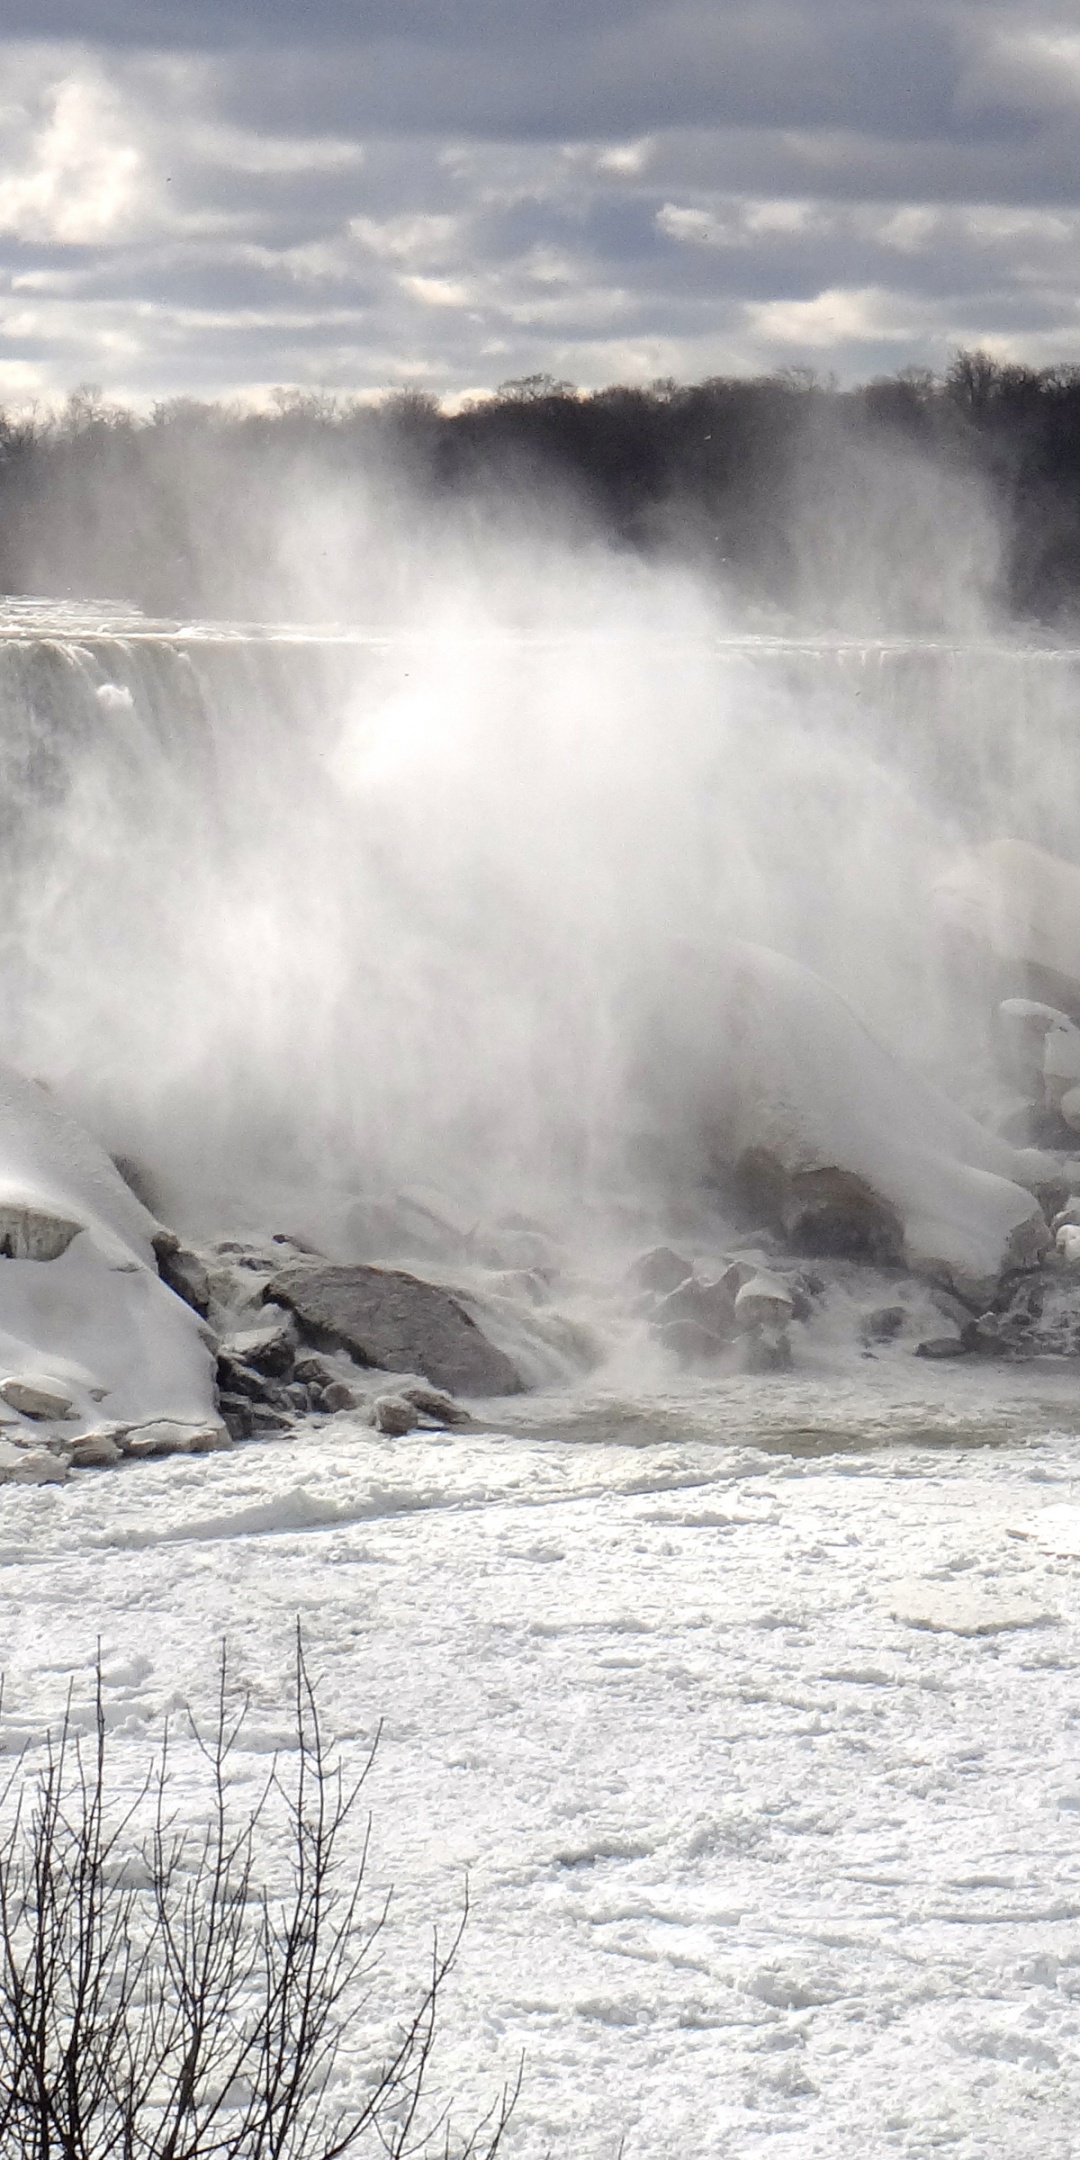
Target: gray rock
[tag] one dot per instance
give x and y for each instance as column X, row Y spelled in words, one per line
column 951, row 1308
column 882, row 1323
column 709, row 1306
column 269, row 1350
column 338, row 1395
column 171, row 1436
column 393, row 1415
column 435, row 1403
column 40, row 1466
column 95, row 1451
column 834, row 1212
column 384, row 1317
column 661, row 1270
column 267, row 1419
column 239, row 1415
column 691, row 1341
column 30, row 1466
column 314, row 1371
column 942, row 1346
column 35, row 1396
column 182, row 1272
column 236, row 1378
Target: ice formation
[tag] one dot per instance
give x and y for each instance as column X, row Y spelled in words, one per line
column 89, row 1335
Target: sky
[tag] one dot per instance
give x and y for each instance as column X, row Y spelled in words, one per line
column 214, row 198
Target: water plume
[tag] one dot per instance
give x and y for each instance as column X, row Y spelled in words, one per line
column 326, row 914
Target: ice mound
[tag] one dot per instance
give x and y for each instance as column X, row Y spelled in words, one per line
column 1023, row 906
column 793, row 1092
column 89, row 1335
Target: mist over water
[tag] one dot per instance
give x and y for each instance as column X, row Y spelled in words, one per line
column 289, row 915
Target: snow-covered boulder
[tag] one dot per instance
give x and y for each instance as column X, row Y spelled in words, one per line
column 764, row 1301
column 1022, row 1028
column 1022, row 906
column 88, row 1332
column 1061, row 1060
column 778, row 1078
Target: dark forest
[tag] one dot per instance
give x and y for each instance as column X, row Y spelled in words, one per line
column 157, row 510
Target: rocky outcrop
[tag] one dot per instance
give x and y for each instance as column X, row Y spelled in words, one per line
column 386, row 1318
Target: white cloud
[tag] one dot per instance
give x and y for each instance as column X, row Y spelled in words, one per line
column 177, row 222
column 840, row 316
column 699, row 228
column 418, row 237
column 1034, row 68
column 437, row 292
column 626, row 160
column 73, row 171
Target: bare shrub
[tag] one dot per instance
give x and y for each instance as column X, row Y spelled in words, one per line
column 159, row 2002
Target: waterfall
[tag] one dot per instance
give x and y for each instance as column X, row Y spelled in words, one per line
column 281, row 908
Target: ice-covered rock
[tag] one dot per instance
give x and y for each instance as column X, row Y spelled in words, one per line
column 774, row 1075
column 1061, row 1059
column 1022, row 1027
column 30, row 1466
column 764, row 1301
column 85, row 1320
column 1069, row 1108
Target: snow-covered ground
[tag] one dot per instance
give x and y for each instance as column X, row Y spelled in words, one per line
column 759, row 1860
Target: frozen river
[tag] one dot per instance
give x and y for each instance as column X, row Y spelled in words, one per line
column 751, row 1715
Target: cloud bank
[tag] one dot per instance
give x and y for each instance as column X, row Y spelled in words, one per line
column 216, row 199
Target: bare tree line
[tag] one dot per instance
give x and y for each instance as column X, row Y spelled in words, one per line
column 166, row 509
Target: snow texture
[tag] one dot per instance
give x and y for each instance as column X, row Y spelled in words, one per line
column 755, row 1865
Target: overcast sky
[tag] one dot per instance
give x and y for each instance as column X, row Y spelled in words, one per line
column 210, row 197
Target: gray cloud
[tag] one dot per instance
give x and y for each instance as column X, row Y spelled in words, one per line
column 208, row 198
